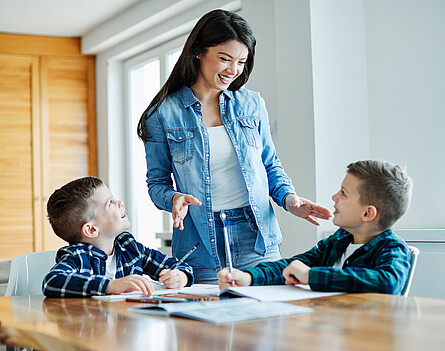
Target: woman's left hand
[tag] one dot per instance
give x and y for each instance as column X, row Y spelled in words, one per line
column 306, row 209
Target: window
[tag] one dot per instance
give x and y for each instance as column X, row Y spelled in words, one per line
column 145, row 75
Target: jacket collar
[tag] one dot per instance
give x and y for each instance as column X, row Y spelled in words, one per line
column 188, row 98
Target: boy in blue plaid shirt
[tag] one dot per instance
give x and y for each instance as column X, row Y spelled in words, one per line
column 364, row 254
column 102, row 258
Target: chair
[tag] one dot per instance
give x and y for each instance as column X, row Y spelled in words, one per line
column 414, row 251
column 27, row 273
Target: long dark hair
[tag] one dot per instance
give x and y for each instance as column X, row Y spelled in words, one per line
column 214, row 28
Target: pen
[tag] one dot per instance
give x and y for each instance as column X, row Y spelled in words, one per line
column 185, row 257
column 227, row 245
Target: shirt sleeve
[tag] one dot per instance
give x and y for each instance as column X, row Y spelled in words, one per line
column 155, row 261
column 280, row 184
column 388, row 275
column 269, row 273
column 72, row 277
column 159, row 164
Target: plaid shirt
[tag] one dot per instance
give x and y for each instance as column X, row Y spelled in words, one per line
column 80, row 268
column 381, row 265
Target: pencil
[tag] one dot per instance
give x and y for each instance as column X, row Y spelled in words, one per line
column 227, row 245
column 185, row 256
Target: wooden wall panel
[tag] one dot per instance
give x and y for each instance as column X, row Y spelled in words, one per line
column 47, row 133
column 67, row 150
column 18, row 101
column 39, row 45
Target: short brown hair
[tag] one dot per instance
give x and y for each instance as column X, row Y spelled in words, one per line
column 71, row 206
column 384, row 185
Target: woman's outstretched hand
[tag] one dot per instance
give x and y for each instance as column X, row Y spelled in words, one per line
column 181, row 203
column 306, row 209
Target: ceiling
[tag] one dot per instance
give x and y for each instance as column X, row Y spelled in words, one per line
column 65, row 18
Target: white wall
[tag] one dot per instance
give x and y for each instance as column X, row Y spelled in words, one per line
column 365, row 80
column 405, row 43
column 314, row 82
column 283, row 75
column 340, row 93
column 406, row 92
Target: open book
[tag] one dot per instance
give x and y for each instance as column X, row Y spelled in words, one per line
column 261, row 293
column 275, row 292
column 223, row 311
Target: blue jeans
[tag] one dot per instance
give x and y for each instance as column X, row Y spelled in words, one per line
column 242, row 231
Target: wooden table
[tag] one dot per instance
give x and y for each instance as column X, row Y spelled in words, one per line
column 342, row 322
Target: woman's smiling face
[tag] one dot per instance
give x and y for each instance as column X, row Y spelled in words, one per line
column 221, row 65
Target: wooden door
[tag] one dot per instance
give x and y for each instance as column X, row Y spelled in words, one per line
column 47, row 133
column 20, row 187
column 69, row 148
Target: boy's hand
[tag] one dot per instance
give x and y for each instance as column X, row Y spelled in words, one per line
column 181, row 203
column 296, row 273
column 239, row 277
column 306, row 209
column 130, row 283
column 173, row 278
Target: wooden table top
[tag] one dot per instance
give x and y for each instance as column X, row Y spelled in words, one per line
column 341, row 322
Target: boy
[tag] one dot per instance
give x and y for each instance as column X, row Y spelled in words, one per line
column 363, row 255
column 102, row 257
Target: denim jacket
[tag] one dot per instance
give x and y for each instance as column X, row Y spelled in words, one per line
column 178, row 144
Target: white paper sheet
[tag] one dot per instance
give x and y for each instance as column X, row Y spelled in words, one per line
column 276, row 292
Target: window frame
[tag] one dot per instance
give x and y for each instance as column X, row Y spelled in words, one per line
column 160, row 53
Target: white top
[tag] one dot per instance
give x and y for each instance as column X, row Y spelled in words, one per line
column 110, row 266
column 348, row 252
column 228, row 187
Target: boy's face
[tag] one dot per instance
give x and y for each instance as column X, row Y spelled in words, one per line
column 110, row 217
column 348, row 208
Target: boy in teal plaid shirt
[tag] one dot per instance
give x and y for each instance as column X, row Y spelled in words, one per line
column 364, row 254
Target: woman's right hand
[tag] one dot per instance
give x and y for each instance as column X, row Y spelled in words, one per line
column 180, row 207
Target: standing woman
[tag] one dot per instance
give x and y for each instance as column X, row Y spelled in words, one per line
column 213, row 135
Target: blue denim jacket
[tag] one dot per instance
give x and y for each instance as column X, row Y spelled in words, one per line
column 179, row 144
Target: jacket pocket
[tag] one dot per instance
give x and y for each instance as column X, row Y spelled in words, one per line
column 181, row 144
column 249, row 126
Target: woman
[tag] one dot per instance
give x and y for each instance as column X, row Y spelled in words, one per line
column 214, row 137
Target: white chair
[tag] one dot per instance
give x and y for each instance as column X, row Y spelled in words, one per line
column 27, row 273
column 414, row 251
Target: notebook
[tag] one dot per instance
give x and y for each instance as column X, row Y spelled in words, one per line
column 223, row 311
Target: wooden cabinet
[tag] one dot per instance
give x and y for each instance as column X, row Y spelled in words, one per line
column 47, row 133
